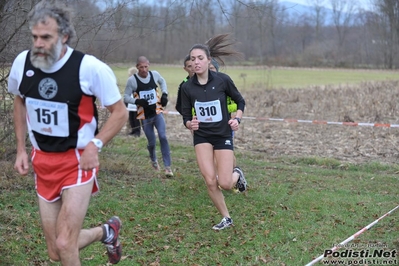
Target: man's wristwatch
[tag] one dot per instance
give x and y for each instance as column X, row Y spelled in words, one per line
column 238, row 119
column 98, row 143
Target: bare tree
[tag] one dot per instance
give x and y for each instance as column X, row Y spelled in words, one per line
column 389, row 17
column 343, row 17
column 318, row 16
column 260, row 15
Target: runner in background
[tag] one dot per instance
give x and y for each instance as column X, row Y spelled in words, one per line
column 143, row 86
column 188, row 67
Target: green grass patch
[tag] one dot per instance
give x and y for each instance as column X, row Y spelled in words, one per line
column 295, row 208
column 261, row 78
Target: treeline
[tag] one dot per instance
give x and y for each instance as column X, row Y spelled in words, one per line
column 266, row 31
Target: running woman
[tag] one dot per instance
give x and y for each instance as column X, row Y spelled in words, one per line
column 207, row 93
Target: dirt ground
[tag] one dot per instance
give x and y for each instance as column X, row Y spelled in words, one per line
column 365, row 103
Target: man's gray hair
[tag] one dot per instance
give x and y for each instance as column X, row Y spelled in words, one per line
column 56, row 10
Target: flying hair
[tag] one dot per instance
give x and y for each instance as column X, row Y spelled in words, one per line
column 222, row 45
column 217, row 47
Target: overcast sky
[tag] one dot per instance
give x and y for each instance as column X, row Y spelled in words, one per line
column 364, row 3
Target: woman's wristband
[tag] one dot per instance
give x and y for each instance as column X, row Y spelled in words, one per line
column 238, row 119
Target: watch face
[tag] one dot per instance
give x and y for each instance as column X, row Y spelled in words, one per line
column 98, row 143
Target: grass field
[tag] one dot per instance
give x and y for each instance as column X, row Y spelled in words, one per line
column 294, row 210
column 259, row 79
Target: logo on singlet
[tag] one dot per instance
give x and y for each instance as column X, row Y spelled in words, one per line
column 48, row 88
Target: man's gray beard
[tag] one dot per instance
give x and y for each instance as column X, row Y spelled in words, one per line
column 46, row 62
